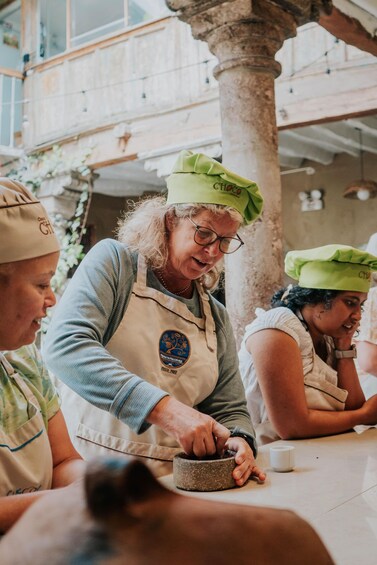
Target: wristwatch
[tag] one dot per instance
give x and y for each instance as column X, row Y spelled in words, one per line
column 237, row 432
column 346, row 354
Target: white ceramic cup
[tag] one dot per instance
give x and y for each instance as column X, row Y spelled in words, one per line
column 282, row 458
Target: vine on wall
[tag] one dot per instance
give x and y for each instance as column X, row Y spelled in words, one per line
column 71, row 249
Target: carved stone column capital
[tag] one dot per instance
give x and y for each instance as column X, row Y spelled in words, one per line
column 303, row 10
column 247, row 33
column 247, row 44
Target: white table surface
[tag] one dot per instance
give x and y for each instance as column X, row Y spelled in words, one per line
column 333, row 486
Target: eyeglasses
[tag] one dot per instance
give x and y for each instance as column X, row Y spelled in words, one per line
column 205, row 236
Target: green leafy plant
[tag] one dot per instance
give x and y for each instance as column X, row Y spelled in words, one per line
column 71, row 249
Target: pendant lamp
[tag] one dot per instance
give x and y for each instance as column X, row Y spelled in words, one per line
column 361, row 189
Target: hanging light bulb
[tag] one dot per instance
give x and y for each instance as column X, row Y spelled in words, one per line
column 363, row 194
column 361, row 189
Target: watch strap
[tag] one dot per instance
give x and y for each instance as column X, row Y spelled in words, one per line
column 237, row 432
column 346, row 354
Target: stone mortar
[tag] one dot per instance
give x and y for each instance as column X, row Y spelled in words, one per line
column 207, row 474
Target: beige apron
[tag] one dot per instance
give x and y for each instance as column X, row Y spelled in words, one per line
column 321, row 393
column 162, row 342
column 25, row 454
column 321, row 387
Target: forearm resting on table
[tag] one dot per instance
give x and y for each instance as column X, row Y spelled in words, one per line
column 318, row 423
column 12, row 507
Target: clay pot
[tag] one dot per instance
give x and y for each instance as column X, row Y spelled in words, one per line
column 207, row 474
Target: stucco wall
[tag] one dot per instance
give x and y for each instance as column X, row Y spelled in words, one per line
column 342, row 220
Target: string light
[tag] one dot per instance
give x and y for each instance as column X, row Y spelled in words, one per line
column 143, row 94
column 85, row 105
column 161, row 73
column 206, row 80
column 304, row 67
column 107, row 85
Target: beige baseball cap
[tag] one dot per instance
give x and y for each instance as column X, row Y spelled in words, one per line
column 25, row 228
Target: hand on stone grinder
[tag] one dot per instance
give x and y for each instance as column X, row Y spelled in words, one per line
column 197, row 433
column 201, row 435
column 245, row 461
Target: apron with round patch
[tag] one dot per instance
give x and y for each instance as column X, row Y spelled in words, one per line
column 25, row 454
column 162, row 342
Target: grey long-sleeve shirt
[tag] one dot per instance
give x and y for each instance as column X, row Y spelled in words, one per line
column 88, row 315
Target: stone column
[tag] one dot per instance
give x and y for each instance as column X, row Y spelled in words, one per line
column 245, row 36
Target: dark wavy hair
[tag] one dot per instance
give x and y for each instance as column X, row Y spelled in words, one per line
column 297, row 297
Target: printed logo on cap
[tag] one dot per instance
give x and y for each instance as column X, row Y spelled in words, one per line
column 366, row 275
column 45, row 226
column 228, row 188
column 174, row 348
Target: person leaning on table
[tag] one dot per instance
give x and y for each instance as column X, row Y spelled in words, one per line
column 36, row 453
column 139, row 337
column 297, row 359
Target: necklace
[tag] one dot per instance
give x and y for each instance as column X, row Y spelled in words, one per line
column 178, row 292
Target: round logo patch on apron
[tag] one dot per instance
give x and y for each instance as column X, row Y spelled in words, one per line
column 174, row 348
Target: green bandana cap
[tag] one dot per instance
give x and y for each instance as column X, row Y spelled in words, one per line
column 198, row 179
column 331, row 267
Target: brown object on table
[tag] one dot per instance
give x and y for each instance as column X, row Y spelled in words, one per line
column 206, row 474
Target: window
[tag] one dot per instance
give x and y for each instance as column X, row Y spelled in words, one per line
column 89, row 20
column 10, row 36
column 52, row 24
column 140, row 11
column 10, row 82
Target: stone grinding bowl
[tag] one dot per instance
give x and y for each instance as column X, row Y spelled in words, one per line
column 206, row 474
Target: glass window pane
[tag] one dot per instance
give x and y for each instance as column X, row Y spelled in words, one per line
column 91, row 19
column 52, row 18
column 10, row 36
column 140, row 11
column 10, row 115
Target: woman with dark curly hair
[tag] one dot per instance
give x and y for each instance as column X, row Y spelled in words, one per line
column 297, row 359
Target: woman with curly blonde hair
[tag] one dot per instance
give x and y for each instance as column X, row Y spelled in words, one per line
column 139, row 337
